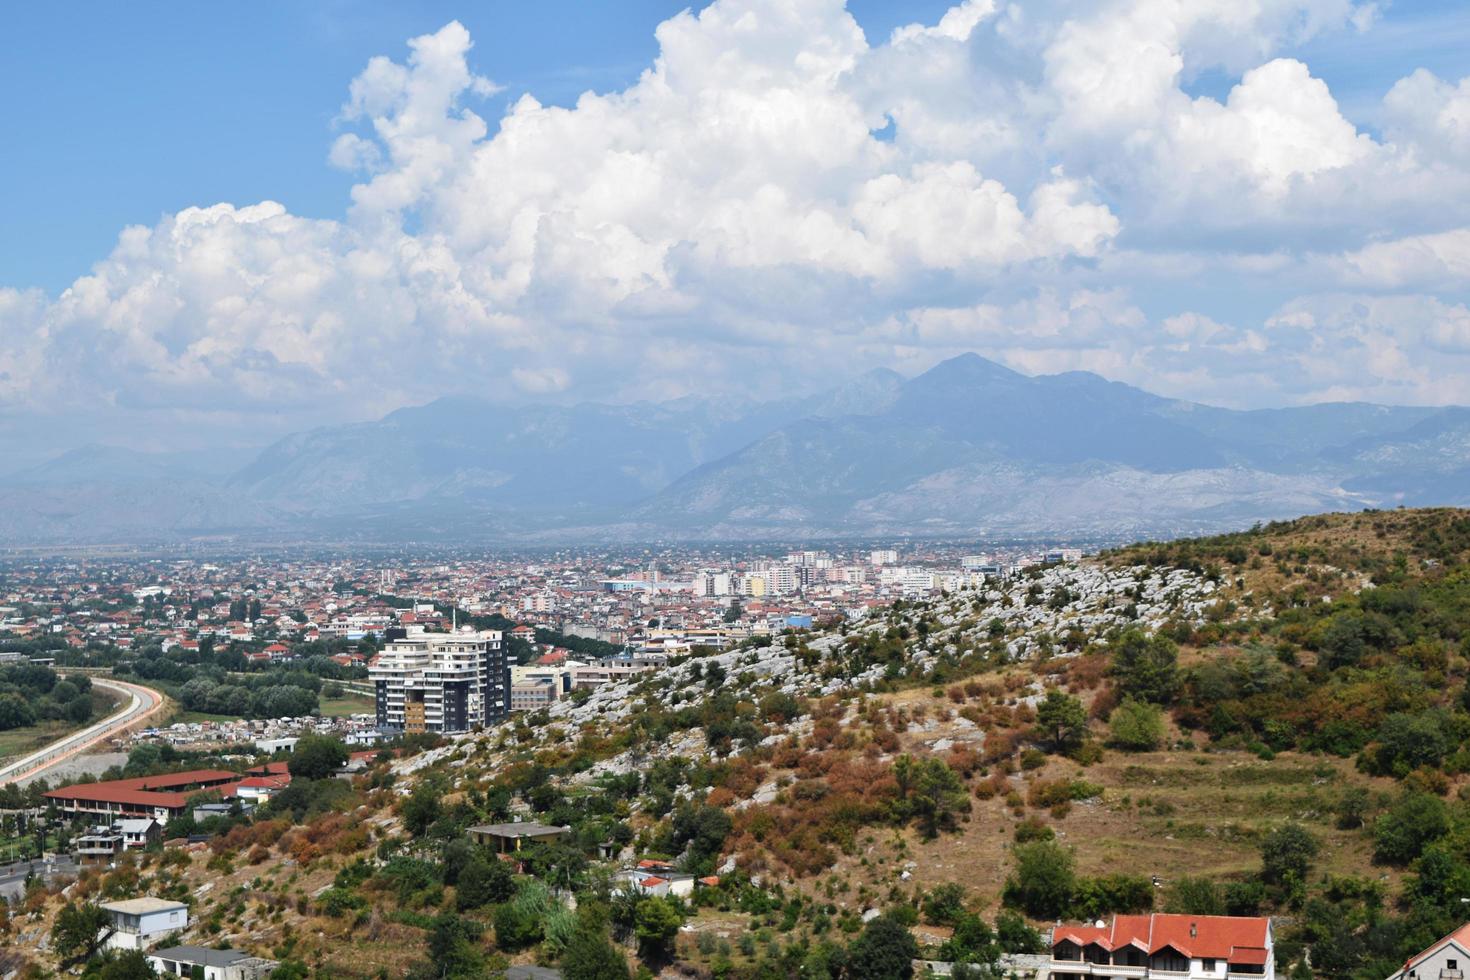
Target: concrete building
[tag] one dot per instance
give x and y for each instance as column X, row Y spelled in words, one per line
column 507, row 838
column 212, row 964
column 138, row 923
column 441, row 682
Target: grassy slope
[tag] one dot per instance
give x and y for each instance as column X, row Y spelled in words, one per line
column 19, row 741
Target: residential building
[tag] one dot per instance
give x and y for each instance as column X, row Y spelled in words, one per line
column 1185, row 947
column 138, row 923
column 1445, row 960
column 506, row 838
column 441, row 682
column 210, row 964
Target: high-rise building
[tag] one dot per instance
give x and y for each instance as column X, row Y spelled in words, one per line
column 441, row 682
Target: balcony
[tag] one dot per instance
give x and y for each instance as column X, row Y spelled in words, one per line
column 1451, row 975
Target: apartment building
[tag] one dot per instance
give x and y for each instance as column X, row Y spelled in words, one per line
column 441, row 682
column 1184, row 947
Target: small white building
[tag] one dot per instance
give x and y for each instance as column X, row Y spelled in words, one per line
column 1445, row 960
column 138, row 923
column 215, row 964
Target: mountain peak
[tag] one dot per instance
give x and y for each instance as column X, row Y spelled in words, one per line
column 968, row 368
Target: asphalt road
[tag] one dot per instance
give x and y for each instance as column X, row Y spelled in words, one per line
column 143, row 702
column 13, row 876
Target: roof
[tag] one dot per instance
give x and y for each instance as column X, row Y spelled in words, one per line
column 1460, row 937
column 142, row 906
column 164, row 790
column 527, row 829
column 201, row 955
column 1237, row 939
column 135, row 825
column 531, row 973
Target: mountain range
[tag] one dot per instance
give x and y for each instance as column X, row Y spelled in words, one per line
column 968, row 449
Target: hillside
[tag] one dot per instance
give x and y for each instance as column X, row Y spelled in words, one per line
column 1267, row 722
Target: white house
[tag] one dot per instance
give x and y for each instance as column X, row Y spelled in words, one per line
column 214, row 964
column 1196, row 947
column 138, row 923
column 1445, row 960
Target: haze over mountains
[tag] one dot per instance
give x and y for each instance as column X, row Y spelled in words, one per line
column 969, row 448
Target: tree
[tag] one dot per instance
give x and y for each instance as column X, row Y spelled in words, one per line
column 1415, row 821
column 129, row 965
column 702, row 831
column 885, row 951
column 516, row 927
column 77, row 928
column 15, row 712
column 1045, row 880
column 1062, row 720
column 944, row 904
column 1194, row 896
column 484, row 883
column 317, row 757
column 1146, row 667
column 421, row 809
column 656, row 922
column 1136, row 726
column 1014, row 935
column 1286, row 854
column 931, row 791
column 590, row 956
column 454, row 949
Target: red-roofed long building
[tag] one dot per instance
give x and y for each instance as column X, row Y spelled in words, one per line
column 159, row 797
column 1197, row 947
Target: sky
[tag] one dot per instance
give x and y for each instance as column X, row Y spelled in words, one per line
column 221, row 224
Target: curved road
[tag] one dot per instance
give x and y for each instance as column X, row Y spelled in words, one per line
column 143, row 703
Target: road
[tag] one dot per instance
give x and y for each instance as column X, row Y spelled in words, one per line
column 13, row 876
column 143, row 703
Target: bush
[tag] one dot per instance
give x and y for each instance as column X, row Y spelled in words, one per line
column 1044, row 881
column 1136, row 726
column 944, row 904
column 1286, row 854
column 1415, row 821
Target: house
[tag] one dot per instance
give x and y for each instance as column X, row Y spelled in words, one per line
column 1179, row 946
column 100, row 845
column 1445, row 960
column 506, row 838
column 138, row 923
column 139, row 831
column 209, row 964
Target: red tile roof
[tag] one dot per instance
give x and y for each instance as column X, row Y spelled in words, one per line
column 164, row 790
column 1460, row 937
column 1224, row 937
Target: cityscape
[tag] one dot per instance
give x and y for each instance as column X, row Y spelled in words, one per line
column 735, row 490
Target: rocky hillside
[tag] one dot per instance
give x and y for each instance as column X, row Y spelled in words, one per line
column 1269, row 722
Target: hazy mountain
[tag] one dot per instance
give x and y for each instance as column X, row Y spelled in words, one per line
column 967, row 448
column 971, row 447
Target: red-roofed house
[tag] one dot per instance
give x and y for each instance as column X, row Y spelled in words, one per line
column 1445, row 959
column 1180, row 946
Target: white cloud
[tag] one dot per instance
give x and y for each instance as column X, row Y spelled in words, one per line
column 1043, row 169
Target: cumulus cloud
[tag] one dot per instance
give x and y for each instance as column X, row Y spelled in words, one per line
column 1015, row 179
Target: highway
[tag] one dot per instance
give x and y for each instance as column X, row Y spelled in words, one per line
column 142, row 704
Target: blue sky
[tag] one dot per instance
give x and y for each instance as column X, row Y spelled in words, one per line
column 119, row 113
column 1250, row 205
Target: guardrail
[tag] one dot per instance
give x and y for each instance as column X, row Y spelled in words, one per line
column 43, row 758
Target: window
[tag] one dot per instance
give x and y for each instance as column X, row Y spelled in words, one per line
column 1451, row 964
column 1209, row 965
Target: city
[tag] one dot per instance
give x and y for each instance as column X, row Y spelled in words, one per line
column 735, row 490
